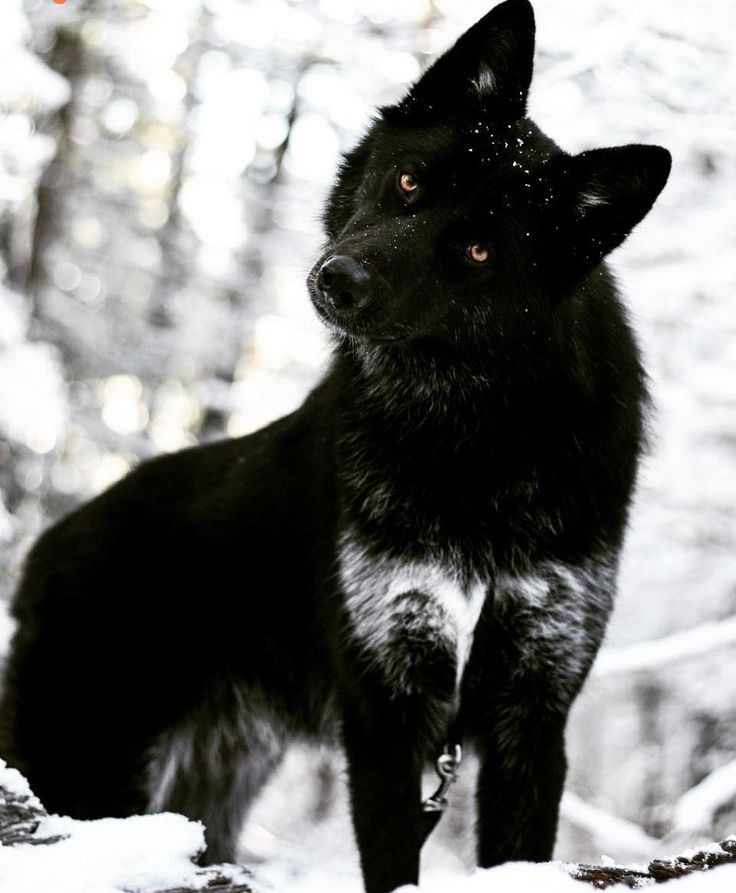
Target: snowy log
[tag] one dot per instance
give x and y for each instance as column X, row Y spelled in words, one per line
column 659, row 870
column 145, row 853
column 154, row 854
column 610, row 833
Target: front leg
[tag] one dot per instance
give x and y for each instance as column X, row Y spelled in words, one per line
column 394, row 719
column 542, row 637
column 407, row 631
column 520, row 785
column 385, row 760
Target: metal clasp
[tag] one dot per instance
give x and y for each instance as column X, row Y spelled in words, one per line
column 446, row 766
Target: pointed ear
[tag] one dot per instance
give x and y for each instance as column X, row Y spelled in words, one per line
column 603, row 194
column 491, row 63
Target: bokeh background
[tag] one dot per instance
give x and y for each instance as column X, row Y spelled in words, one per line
column 162, row 167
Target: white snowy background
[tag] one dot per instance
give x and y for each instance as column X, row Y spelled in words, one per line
column 162, row 165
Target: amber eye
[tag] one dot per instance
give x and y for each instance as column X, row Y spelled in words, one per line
column 478, row 253
column 408, row 184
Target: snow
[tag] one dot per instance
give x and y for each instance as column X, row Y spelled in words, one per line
column 13, row 317
column 608, row 831
column 654, row 654
column 134, row 855
column 32, row 82
column 13, row 783
column 105, row 856
column 720, row 880
column 7, row 624
column 514, row 877
column 32, row 396
column 696, row 808
column 7, row 528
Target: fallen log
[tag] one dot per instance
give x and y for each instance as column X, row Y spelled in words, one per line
column 24, row 820
column 659, row 870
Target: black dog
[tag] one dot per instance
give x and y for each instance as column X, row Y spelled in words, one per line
column 431, row 539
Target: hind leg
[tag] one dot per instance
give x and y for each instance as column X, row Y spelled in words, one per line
column 212, row 772
column 73, row 733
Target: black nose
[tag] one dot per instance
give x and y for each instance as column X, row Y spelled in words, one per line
column 344, row 284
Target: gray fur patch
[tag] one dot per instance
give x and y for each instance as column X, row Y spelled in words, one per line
column 557, row 616
column 591, row 200
column 398, row 608
column 212, row 765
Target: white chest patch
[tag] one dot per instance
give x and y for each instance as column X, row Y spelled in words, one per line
column 425, row 602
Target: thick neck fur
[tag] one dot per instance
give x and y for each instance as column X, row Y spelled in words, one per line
column 420, row 393
column 454, row 457
column 428, row 455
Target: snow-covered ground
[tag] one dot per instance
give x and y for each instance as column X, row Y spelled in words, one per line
column 155, row 852
column 152, row 852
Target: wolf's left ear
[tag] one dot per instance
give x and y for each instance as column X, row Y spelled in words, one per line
column 602, row 195
column 491, row 63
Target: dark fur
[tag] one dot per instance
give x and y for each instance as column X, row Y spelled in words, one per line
column 478, row 420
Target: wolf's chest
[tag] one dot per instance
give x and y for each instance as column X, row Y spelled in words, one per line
column 414, row 621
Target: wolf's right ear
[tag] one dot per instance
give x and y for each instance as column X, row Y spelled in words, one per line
column 602, row 195
column 490, row 64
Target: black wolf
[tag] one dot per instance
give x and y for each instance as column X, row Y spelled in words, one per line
column 431, row 539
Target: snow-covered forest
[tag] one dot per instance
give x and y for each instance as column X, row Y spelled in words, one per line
column 162, row 165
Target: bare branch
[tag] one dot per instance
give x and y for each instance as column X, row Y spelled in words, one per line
column 608, row 832
column 652, row 655
column 696, row 809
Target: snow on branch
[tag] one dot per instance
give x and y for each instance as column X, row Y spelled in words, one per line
column 658, row 653
column 608, row 832
column 661, row 870
column 696, row 809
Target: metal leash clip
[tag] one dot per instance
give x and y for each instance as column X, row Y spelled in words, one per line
column 447, row 766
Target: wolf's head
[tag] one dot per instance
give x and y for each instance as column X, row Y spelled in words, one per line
column 457, row 219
